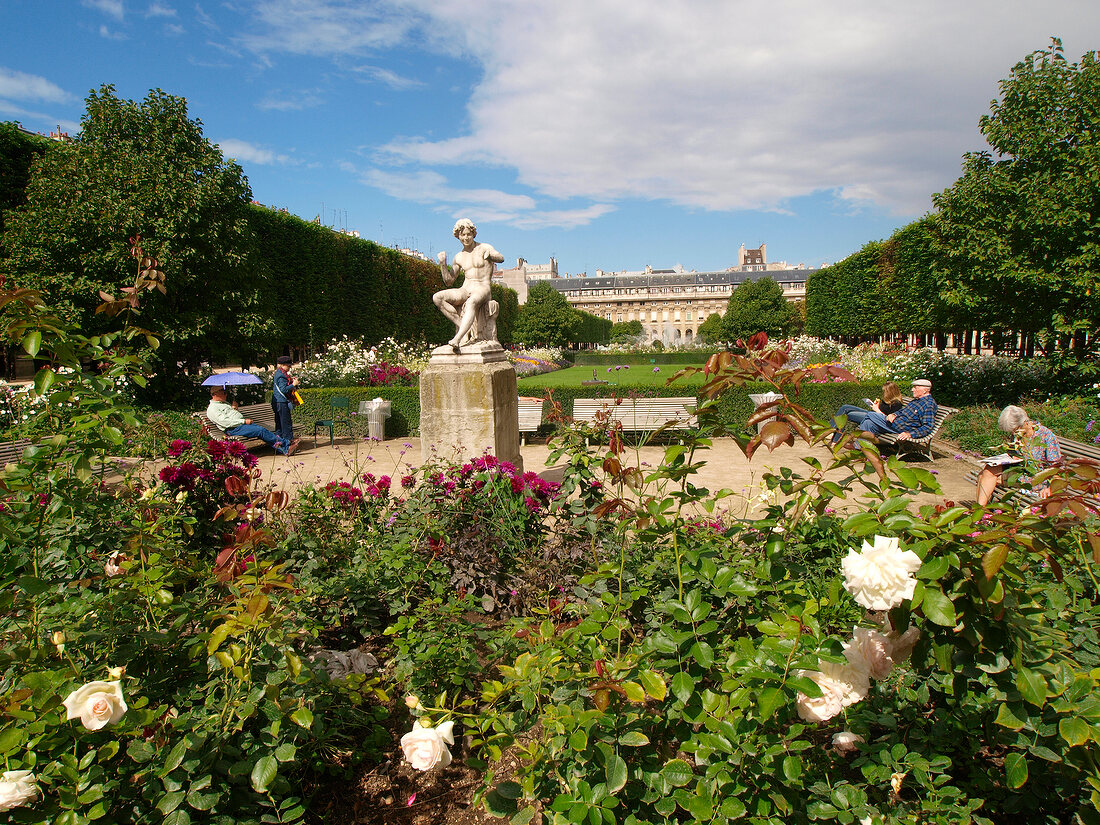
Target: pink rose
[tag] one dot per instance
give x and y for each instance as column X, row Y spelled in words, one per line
column 96, row 704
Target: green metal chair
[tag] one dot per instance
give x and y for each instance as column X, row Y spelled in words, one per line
column 339, row 414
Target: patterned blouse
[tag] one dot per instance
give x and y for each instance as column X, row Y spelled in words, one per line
column 1040, row 452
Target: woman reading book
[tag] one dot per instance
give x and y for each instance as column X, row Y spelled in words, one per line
column 1035, row 445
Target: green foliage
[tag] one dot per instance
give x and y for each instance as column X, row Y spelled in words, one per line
column 548, row 320
column 712, row 330
column 626, row 331
column 1018, row 228
column 404, row 407
column 142, row 169
column 18, row 151
column 757, row 306
column 325, row 284
column 508, row 311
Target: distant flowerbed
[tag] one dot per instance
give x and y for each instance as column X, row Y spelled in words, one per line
column 536, row 361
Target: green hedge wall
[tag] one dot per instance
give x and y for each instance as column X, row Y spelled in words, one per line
column 404, row 417
column 325, row 284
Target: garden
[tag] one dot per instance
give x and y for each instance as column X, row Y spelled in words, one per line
column 467, row 643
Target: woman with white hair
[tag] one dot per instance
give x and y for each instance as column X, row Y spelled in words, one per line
column 1036, row 445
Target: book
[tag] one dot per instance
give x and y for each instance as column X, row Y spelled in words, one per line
column 1001, row 459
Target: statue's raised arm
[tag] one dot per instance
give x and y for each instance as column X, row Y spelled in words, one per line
column 447, row 272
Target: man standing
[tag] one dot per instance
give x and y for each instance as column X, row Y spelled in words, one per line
column 462, row 305
column 233, row 422
column 915, row 420
column 283, row 388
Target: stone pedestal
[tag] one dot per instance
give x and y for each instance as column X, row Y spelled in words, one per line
column 469, row 404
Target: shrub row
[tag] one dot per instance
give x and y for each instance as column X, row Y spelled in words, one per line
column 605, row 359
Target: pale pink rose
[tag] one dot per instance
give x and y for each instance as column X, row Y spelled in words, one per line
column 845, row 742
column 17, row 788
column 869, row 651
column 96, row 704
column 841, row 686
column 881, row 576
column 426, row 748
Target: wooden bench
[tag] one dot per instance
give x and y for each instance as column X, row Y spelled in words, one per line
column 261, row 414
column 12, row 451
column 918, row 445
column 638, row 414
column 530, row 416
column 1020, row 496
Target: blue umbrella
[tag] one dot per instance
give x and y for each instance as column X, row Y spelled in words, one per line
column 231, row 379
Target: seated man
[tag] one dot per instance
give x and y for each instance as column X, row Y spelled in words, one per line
column 230, row 419
column 915, row 420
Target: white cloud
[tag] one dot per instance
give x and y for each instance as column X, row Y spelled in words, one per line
column 324, row 27
column 245, row 152
column 112, row 8
column 157, row 9
column 388, row 78
column 22, row 86
column 720, row 105
column 432, row 188
column 49, row 122
column 293, row 101
column 112, row 35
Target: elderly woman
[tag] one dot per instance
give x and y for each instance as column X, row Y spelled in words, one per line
column 1037, row 445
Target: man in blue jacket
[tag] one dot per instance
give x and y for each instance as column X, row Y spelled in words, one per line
column 915, row 420
column 281, row 398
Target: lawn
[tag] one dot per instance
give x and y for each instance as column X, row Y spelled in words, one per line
column 625, row 375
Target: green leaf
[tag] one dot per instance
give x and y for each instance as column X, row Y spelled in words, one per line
column 263, row 772
column 510, row 790
column 792, row 768
column 654, row 685
column 303, row 717
column 615, row 773
column 170, row 801
column 1032, row 687
column 1007, row 719
column 682, row 686
column 175, row 758
column 1016, row 770
column 1074, row 730
column 43, row 380
column 178, row 817
column 769, row 700
column 677, row 772
column 934, row 568
column 633, row 739
column 32, row 342
column 285, row 752
column 578, row 740
column 938, row 608
column 634, row 692
column 703, row 654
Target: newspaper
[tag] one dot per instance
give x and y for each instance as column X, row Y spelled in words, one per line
column 1001, row 459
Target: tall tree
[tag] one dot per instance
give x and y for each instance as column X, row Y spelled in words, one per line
column 546, row 318
column 757, row 306
column 1019, row 230
column 507, row 311
column 143, row 169
column 712, row 330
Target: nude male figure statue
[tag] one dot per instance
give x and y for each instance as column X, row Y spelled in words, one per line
column 464, row 304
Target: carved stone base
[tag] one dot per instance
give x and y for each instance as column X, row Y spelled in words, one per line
column 469, row 405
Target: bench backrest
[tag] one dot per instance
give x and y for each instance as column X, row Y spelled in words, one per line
column 638, row 414
column 13, row 450
column 530, row 414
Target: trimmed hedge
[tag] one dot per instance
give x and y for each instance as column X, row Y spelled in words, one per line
column 404, row 417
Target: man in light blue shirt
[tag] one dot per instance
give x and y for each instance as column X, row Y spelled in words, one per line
column 231, row 420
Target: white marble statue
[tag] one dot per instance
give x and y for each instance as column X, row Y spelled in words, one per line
column 469, row 306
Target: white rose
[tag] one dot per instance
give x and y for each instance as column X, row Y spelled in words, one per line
column 17, row 788
column 870, row 651
column 841, row 686
column 880, row 577
column 845, row 742
column 426, row 748
column 96, row 704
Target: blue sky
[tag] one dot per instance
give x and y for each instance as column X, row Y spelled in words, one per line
column 610, row 134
